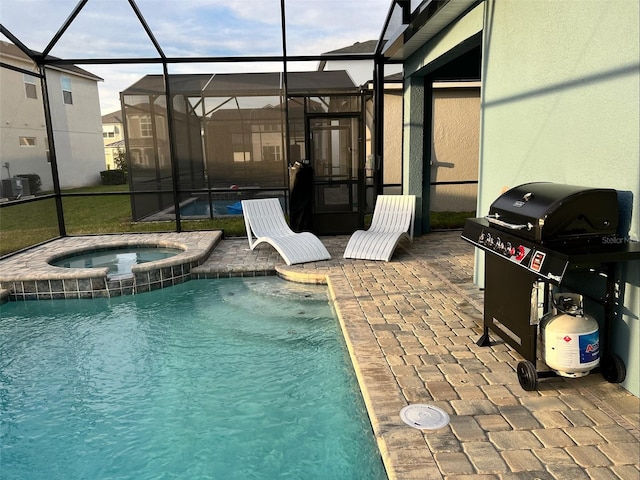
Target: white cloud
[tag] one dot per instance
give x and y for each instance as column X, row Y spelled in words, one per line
column 190, row 28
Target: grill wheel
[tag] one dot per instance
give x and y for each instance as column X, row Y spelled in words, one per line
column 613, row 369
column 527, row 375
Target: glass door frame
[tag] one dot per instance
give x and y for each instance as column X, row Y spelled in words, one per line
column 340, row 221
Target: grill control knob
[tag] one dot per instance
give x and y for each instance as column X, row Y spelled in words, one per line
column 509, row 250
column 489, row 240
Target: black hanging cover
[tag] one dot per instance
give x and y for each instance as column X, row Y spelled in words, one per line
column 301, row 198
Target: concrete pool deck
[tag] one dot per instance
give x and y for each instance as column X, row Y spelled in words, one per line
column 411, row 326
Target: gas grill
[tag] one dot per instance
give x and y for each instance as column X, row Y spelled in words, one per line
column 539, row 237
column 556, row 215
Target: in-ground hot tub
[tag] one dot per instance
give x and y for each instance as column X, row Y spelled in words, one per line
column 126, row 268
column 33, row 275
column 119, row 261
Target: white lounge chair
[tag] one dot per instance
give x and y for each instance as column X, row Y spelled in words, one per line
column 265, row 220
column 393, row 219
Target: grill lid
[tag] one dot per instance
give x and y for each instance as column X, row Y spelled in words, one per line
column 556, row 213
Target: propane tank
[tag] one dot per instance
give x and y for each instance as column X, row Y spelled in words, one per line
column 570, row 339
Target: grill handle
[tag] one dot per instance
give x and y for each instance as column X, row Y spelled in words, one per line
column 494, row 219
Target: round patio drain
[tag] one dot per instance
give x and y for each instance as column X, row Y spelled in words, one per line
column 424, row 417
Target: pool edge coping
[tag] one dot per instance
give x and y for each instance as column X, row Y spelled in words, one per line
column 350, row 324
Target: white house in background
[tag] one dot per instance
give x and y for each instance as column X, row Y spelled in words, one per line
column 113, row 137
column 76, row 119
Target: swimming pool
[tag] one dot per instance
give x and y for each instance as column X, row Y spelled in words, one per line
column 185, row 382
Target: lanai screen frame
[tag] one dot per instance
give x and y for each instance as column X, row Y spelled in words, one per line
column 245, row 147
column 43, row 60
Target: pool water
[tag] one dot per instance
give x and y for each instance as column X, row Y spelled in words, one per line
column 216, row 208
column 119, row 260
column 211, row 379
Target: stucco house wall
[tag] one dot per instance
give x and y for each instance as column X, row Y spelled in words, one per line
column 559, row 102
column 560, row 96
column 21, row 118
column 77, row 127
column 392, row 154
column 77, row 130
column 456, row 131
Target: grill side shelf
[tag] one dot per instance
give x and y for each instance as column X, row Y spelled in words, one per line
column 547, row 264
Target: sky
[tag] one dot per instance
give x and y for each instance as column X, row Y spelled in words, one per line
column 190, row 28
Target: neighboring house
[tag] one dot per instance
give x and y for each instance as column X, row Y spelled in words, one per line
column 360, row 71
column 113, row 137
column 75, row 115
column 559, row 87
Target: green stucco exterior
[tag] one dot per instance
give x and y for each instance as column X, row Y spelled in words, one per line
column 560, row 95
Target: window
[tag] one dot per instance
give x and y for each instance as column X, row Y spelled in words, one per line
column 271, row 127
column 30, row 87
column 146, row 129
column 27, row 141
column 67, row 96
column 110, row 131
column 271, row 153
column 241, row 157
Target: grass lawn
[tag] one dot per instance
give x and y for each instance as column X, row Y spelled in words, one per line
column 32, row 223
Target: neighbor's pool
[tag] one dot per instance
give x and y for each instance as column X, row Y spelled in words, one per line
column 216, row 208
column 118, row 260
column 216, row 379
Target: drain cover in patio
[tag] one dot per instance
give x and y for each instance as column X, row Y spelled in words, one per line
column 424, row 417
